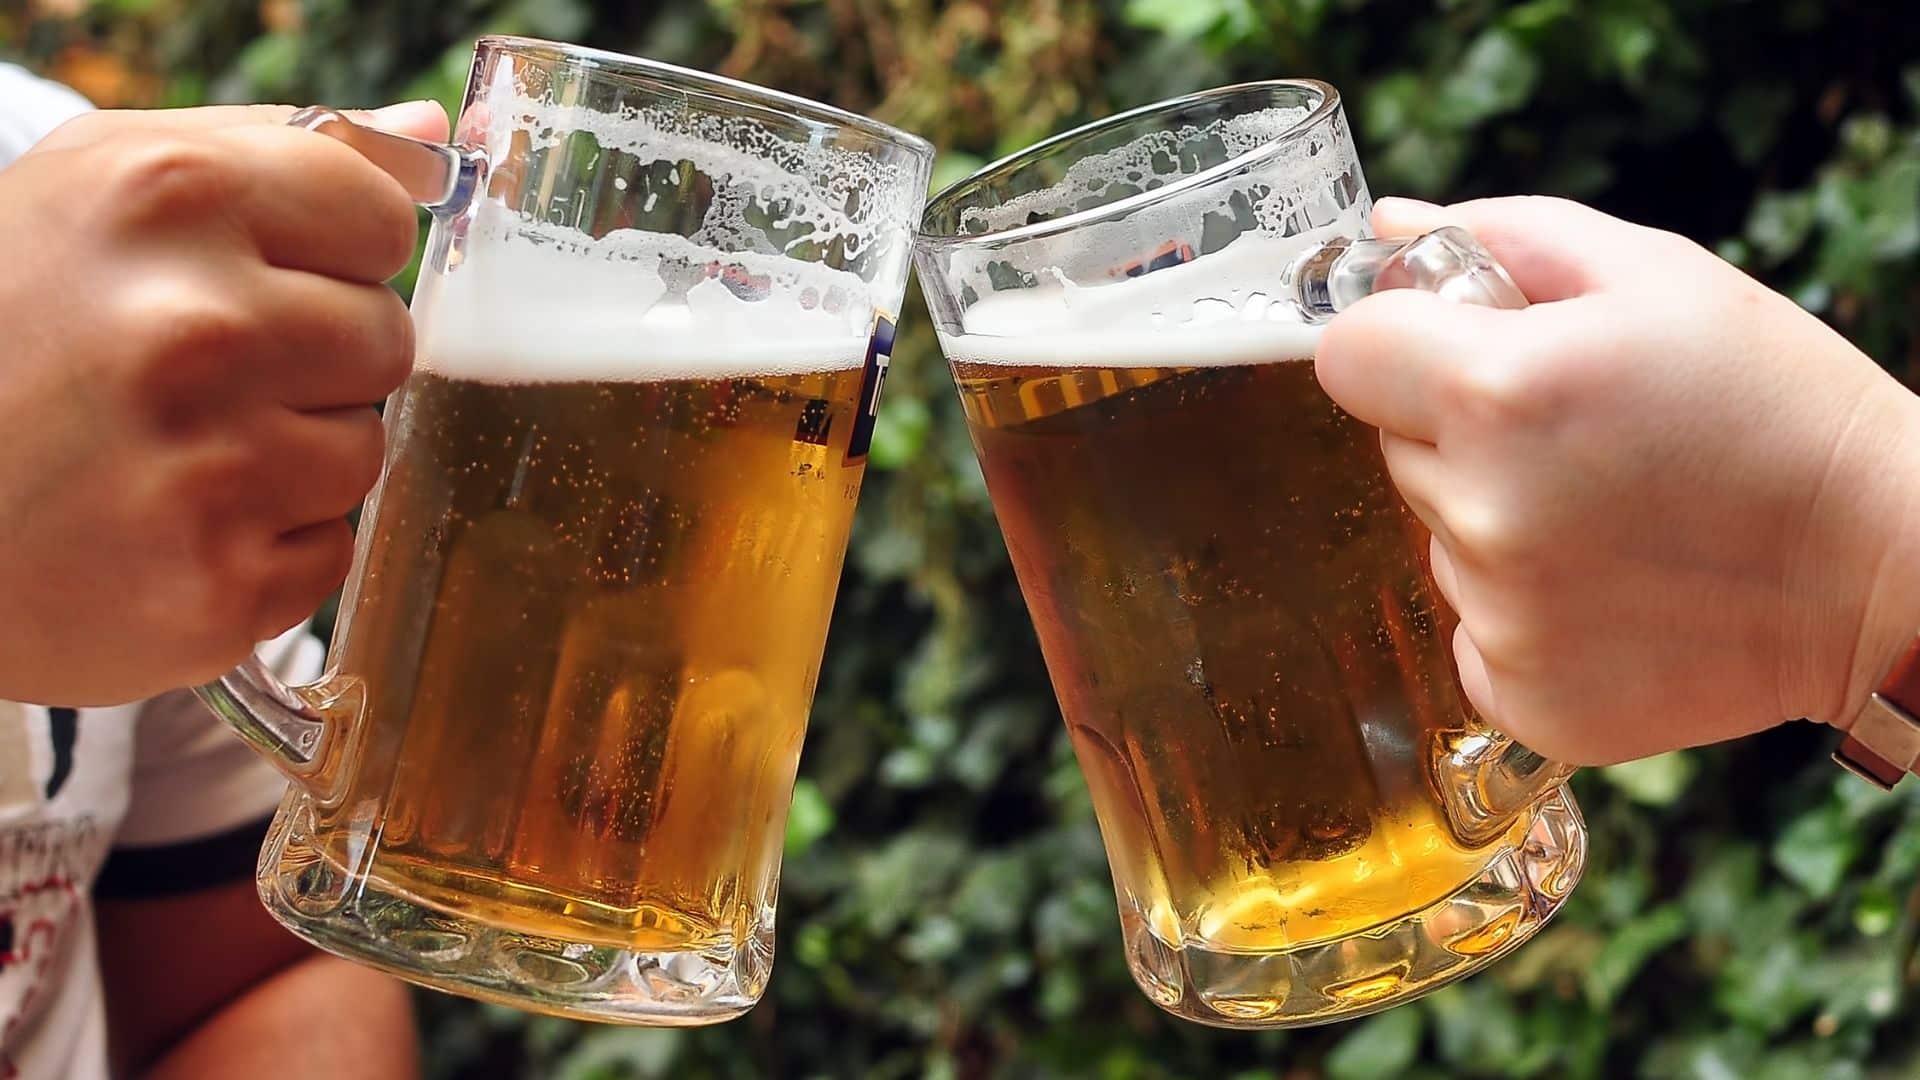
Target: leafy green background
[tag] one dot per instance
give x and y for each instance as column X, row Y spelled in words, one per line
column 946, row 910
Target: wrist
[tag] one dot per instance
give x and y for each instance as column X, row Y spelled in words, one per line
column 1890, row 608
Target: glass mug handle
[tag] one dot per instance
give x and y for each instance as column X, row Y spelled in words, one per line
column 1486, row 776
column 295, row 727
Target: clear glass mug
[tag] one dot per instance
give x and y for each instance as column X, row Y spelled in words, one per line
column 551, row 758
column 1304, row 818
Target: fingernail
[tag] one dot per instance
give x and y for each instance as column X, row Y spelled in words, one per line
column 1400, row 204
column 401, row 111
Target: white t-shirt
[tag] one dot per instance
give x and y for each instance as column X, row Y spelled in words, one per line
column 156, row 794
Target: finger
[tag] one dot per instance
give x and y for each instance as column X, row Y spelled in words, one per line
column 312, row 204
column 308, row 564
column 1446, row 577
column 1554, row 248
column 340, row 343
column 1419, row 475
column 323, row 465
column 418, row 119
column 1387, row 358
column 90, row 128
column 1475, row 681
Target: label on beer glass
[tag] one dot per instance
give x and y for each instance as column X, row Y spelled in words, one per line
column 879, row 357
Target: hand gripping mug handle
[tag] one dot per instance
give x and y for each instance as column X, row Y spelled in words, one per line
column 1485, row 776
column 442, row 179
column 296, row 728
column 1329, row 278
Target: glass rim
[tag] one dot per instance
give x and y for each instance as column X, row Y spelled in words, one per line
column 643, row 69
column 1326, row 106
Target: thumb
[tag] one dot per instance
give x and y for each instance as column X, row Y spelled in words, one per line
column 1555, row 249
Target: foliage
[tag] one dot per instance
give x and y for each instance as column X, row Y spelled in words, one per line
column 946, row 910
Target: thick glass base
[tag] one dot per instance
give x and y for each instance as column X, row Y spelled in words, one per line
column 1392, row 964
column 355, row 917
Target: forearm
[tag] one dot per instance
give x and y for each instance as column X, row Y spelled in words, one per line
column 321, row 1018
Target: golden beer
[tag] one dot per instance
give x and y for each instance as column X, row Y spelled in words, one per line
column 1245, row 641
column 586, row 635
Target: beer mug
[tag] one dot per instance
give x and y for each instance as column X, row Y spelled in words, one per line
column 1304, row 818
column 550, row 761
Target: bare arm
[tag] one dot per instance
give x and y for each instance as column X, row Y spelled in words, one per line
column 206, row 986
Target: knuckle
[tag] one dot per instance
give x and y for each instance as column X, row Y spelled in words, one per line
column 215, row 548
column 337, row 556
column 393, row 229
column 391, row 353
column 230, row 582
column 209, row 490
column 192, row 335
column 1482, row 530
column 1507, row 640
column 207, row 325
column 168, row 176
column 366, row 455
column 327, row 550
column 1503, row 392
column 88, row 127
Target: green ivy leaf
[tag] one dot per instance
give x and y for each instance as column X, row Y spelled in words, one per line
column 1629, row 42
column 952, row 167
column 1537, row 15
column 1751, row 118
column 1816, row 850
column 1802, row 1062
column 900, row 432
column 1767, row 989
column 934, row 938
column 271, row 62
column 994, row 894
column 1178, row 18
column 1720, row 1055
column 1900, row 854
column 1654, row 781
column 1779, row 224
column 1629, row 950
column 1476, row 1026
column 1378, row 1047
column 1721, row 890
column 609, row 1053
column 1394, row 104
column 809, row 819
column 1496, row 75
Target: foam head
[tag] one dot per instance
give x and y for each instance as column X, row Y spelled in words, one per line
column 1218, row 309
column 535, row 303
column 657, row 234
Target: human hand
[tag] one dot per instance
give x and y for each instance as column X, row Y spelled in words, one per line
column 1669, row 506
column 196, row 333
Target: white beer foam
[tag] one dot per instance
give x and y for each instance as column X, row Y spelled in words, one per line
column 529, row 302
column 1222, row 309
column 525, row 300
